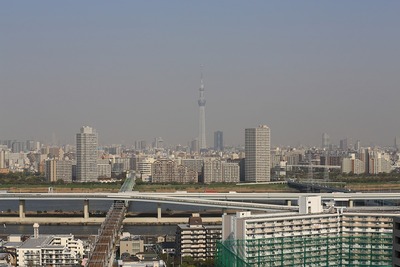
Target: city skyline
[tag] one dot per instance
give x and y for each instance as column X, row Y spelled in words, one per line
column 131, row 70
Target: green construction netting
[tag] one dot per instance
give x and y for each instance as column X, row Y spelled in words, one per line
column 333, row 251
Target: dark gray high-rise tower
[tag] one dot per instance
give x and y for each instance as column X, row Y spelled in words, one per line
column 202, row 116
column 218, row 141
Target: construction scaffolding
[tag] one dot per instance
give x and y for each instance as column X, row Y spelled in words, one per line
column 322, row 251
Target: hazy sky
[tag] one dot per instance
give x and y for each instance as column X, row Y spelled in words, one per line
column 131, row 69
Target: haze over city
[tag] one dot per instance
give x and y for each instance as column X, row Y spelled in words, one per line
column 132, row 70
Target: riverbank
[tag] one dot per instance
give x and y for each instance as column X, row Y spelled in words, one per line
column 147, row 187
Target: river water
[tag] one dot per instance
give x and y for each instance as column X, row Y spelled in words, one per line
column 94, row 205
column 85, row 230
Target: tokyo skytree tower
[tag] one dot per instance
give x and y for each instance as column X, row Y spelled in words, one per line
column 202, row 116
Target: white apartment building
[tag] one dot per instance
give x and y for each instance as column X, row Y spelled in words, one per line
column 379, row 163
column 50, row 250
column 353, row 165
column 145, row 169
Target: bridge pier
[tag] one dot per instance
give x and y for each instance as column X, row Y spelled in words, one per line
column 22, row 208
column 351, row 203
column 86, row 209
column 159, row 211
column 288, row 203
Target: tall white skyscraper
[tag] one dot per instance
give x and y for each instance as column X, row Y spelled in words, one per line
column 257, row 149
column 325, row 140
column 202, row 116
column 86, row 155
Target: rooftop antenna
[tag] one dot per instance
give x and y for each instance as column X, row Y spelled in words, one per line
column 201, row 76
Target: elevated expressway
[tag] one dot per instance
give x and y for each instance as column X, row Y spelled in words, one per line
column 232, row 200
column 180, row 198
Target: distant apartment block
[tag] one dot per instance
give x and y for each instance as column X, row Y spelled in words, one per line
column 193, row 164
column 218, row 171
column 371, row 162
column 168, row 171
column 103, row 168
column 58, row 170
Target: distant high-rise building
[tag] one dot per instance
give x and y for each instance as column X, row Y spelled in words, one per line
column 18, row 146
column 219, row 141
column 325, row 140
column 257, row 150
column 396, row 143
column 158, row 143
column 86, row 155
column 364, row 156
column 202, row 117
column 343, row 144
column 140, row 145
column 2, row 159
column 194, row 146
column 357, row 146
column 32, row 145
